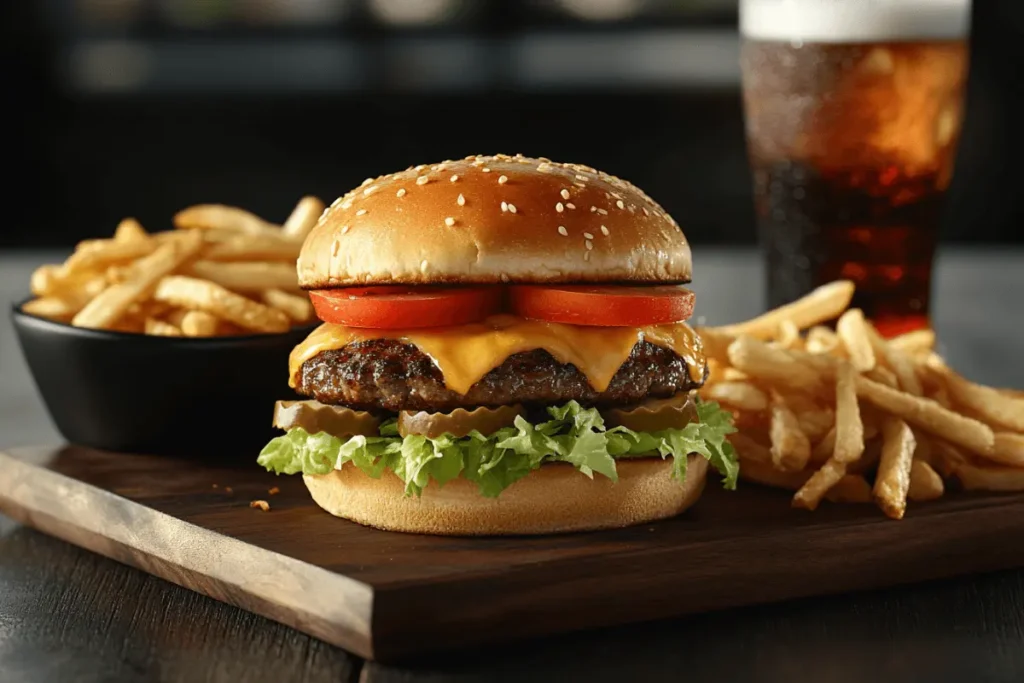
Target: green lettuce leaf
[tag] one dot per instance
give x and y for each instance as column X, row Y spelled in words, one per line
column 574, row 434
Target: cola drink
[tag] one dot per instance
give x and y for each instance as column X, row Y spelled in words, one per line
column 853, row 111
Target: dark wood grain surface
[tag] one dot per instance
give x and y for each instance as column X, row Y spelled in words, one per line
column 372, row 592
column 69, row 615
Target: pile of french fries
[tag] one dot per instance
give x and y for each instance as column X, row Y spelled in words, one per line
column 845, row 415
column 221, row 271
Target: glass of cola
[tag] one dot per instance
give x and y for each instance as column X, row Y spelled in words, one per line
column 853, row 112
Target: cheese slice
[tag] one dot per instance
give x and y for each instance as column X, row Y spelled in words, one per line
column 465, row 353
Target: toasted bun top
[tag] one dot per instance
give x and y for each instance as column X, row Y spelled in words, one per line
column 490, row 219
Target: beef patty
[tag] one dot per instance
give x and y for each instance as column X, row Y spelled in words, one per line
column 389, row 374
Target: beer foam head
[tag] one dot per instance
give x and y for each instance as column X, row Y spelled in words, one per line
column 854, row 21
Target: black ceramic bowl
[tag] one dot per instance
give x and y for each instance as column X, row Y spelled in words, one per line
column 146, row 394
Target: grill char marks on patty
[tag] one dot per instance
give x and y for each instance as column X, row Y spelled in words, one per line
column 393, row 375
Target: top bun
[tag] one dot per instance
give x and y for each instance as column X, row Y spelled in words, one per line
column 490, row 219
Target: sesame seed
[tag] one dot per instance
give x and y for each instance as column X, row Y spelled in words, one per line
column 588, row 236
column 581, row 177
column 454, row 178
column 504, row 206
column 420, row 167
column 544, row 167
column 579, row 184
column 586, row 256
column 562, row 231
column 559, row 207
column 422, row 180
column 347, row 204
column 367, row 181
column 512, row 208
column 370, row 190
column 502, row 179
column 590, row 245
column 646, row 212
column 604, row 230
column 603, row 212
column 620, row 204
column 424, row 265
column 565, row 194
column 401, row 192
column 361, row 212
column 593, row 209
column 337, row 245
column 461, row 201
column 571, row 205
column 485, row 169
column 344, row 229
column 449, row 221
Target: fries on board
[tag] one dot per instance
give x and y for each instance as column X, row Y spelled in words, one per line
column 845, row 415
column 221, row 271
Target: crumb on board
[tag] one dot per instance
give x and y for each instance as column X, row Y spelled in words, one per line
column 261, row 504
column 274, row 491
column 228, row 489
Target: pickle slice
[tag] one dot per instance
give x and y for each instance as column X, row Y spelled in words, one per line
column 459, row 422
column 316, row 417
column 674, row 412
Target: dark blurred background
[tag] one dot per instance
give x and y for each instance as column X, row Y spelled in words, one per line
column 142, row 107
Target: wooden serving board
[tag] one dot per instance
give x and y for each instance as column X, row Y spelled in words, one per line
column 386, row 596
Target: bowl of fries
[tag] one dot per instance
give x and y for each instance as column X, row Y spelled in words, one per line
column 172, row 341
column 839, row 413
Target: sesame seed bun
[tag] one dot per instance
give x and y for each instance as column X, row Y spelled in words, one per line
column 555, row 498
column 494, row 219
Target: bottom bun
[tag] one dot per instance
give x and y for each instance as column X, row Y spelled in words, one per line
column 552, row 499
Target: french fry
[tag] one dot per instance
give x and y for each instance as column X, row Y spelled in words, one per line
column 733, row 375
column 198, row 324
column 946, row 457
column 104, row 310
column 103, row 253
column 852, row 488
column 914, row 343
column 210, row 297
column 749, row 449
column 789, row 335
column 849, row 433
column 815, row 424
column 989, row 478
column 814, row 489
column 790, row 447
column 159, row 328
column 929, row 416
column 925, row 482
column 303, row 218
column 901, row 364
column 764, row 473
column 716, row 344
column 51, row 307
column 883, row 375
column 822, row 304
column 254, row 248
column 221, row 217
column 893, row 480
column 130, row 230
column 46, row 279
column 821, row 339
column 296, row 307
column 991, row 405
column 853, row 332
column 246, row 277
column 742, row 395
column 822, row 450
column 761, row 361
column 1009, row 449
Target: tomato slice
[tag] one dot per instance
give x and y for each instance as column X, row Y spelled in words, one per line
column 603, row 305
column 393, row 307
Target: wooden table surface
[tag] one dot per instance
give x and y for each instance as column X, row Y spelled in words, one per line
column 69, row 615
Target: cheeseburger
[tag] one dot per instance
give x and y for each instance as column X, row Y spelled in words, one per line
column 503, row 351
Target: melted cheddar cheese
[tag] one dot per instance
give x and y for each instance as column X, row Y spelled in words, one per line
column 465, row 353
